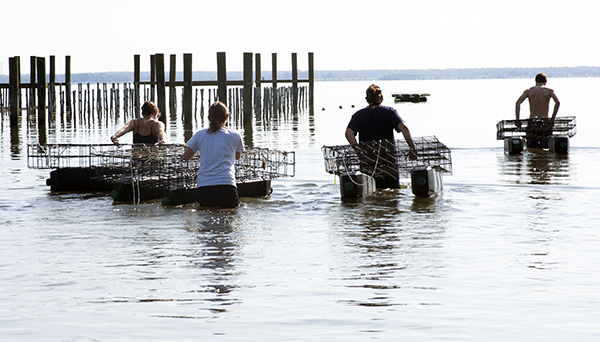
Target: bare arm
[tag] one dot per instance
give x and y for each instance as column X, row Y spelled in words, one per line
column 188, row 154
column 351, row 136
column 127, row 128
column 160, row 133
column 518, row 104
column 556, row 105
column 408, row 137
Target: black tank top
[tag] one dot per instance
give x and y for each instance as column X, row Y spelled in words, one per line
column 145, row 139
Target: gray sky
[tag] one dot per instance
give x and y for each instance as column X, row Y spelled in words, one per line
column 344, row 35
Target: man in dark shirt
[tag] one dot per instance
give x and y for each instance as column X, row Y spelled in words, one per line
column 377, row 122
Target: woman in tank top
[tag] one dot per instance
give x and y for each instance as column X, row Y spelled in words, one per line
column 146, row 130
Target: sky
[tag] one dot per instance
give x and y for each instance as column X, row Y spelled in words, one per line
column 343, row 35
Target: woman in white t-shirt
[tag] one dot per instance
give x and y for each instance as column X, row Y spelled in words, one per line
column 218, row 147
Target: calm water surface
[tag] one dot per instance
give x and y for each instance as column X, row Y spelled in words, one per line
column 508, row 252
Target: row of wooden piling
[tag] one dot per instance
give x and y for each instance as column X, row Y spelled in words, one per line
column 245, row 97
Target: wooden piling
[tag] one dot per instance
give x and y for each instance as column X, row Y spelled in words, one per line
column 32, row 83
column 160, row 86
column 51, row 86
column 172, row 79
column 222, row 77
column 294, row 82
column 258, row 72
column 14, row 90
column 311, row 82
column 187, row 88
column 152, row 77
column 258, row 83
column 247, row 105
column 274, row 79
column 68, row 82
column 41, row 90
column 136, row 83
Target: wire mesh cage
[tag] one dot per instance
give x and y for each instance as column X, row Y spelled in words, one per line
column 537, row 128
column 387, row 158
column 262, row 163
column 57, row 156
column 155, row 166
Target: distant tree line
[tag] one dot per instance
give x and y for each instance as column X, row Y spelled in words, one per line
column 345, row 75
column 433, row 74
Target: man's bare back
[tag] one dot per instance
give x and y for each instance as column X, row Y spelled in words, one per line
column 539, row 100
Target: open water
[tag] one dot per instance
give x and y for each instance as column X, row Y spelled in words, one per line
column 508, row 251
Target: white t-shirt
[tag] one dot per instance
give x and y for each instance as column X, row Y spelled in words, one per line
column 217, row 156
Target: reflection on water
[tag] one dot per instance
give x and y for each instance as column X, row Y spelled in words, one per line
column 539, row 167
column 534, row 171
column 218, row 247
column 395, row 239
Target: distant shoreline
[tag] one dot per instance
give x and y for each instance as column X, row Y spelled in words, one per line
column 347, row 75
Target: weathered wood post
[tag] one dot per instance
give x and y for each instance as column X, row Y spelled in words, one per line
column 32, row 83
column 258, row 71
column 172, row 79
column 311, row 82
column 160, row 86
column 258, row 84
column 274, row 79
column 294, row 82
column 14, row 67
column 68, row 82
column 222, row 77
column 152, row 77
column 52, row 86
column 136, row 84
column 187, row 88
column 247, row 97
column 41, row 90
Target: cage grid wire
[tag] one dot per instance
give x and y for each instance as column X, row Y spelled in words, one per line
column 536, row 128
column 387, row 158
column 262, row 164
column 155, row 166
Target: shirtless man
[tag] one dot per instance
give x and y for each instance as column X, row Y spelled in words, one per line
column 539, row 96
column 539, row 99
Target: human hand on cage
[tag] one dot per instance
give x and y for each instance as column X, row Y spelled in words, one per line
column 114, row 140
column 412, row 155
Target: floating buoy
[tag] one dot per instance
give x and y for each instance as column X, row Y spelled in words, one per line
column 356, row 184
column 426, row 181
column 559, row 144
column 114, row 194
column 513, row 145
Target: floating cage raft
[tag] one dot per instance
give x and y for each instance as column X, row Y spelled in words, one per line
column 563, row 126
column 140, row 172
column 410, row 97
column 388, row 159
column 517, row 133
column 366, row 157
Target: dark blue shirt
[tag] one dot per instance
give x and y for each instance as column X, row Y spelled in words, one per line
column 376, row 123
